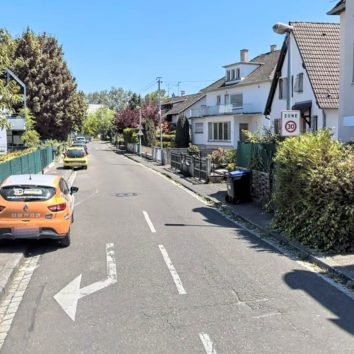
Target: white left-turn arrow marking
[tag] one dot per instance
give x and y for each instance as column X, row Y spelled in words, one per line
column 69, row 296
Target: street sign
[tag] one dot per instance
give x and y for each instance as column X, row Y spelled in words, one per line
column 290, row 123
column 69, row 296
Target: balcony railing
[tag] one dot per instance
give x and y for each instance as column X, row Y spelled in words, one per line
column 221, row 110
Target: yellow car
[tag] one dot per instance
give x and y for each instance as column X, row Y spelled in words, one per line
column 76, row 157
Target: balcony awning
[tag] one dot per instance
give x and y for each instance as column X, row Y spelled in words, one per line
column 302, row 106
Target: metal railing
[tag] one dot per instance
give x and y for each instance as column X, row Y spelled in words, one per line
column 221, row 110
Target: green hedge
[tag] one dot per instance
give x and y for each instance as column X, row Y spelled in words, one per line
column 314, row 191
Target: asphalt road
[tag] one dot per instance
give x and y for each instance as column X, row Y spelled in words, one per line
column 188, row 280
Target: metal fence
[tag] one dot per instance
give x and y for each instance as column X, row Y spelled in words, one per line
column 33, row 162
column 193, row 166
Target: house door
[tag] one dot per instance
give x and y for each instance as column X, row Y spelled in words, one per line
column 243, row 126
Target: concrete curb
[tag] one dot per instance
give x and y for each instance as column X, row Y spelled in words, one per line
column 302, row 250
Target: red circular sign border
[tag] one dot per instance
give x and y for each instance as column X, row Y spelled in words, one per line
column 290, row 121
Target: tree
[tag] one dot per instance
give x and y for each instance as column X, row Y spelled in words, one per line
column 9, row 90
column 116, row 98
column 105, row 120
column 151, row 98
column 127, row 118
column 52, row 96
column 149, row 131
column 90, row 125
column 182, row 132
column 30, row 137
column 135, row 101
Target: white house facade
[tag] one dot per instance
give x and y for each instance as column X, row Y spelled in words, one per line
column 234, row 103
column 345, row 8
column 314, row 77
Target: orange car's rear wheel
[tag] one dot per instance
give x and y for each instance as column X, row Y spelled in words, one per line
column 65, row 241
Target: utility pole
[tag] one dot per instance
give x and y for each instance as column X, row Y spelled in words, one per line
column 178, row 84
column 159, row 113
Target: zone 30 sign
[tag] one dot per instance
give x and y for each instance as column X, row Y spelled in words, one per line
column 290, row 123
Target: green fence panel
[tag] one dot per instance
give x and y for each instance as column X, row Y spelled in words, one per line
column 255, row 156
column 5, row 170
column 244, row 154
column 16, row 166
column 33, row 162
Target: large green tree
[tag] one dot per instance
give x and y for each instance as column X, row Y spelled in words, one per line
column 9, row 90
column 116, row 98
column 52, row 90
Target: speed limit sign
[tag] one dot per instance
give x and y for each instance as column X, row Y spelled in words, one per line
column 290, row 123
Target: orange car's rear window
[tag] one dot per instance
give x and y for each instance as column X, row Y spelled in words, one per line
column 25, row 193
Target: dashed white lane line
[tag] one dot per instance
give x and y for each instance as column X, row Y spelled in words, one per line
column 148, row 221
column 207, row 343
column 173, row 271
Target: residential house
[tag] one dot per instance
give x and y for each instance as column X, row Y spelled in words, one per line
column 235, row 102
column 314, row 80
column 346, row 83
column 181, row 105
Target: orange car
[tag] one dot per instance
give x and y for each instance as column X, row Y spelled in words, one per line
column 36, row 207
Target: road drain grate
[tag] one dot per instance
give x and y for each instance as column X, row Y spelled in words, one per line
column 122, row 195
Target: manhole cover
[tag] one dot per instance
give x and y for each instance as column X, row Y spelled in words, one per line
column 122, row 195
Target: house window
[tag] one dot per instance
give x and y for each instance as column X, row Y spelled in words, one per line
column 218, row 100
column 226, row 99
column 299, row 83
column 220, row 131
column 227, row 75
column 283, row 88
column 238, row 74
column 198, row 128
column 233, row 74
column 236, row 100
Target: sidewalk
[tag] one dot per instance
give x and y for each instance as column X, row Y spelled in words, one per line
column 12, row 253
column 250, row 213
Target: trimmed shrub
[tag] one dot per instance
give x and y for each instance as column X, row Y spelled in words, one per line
column 193, row 150
column 130, row 135
column 149, row 137
column 182, row 132
column 314, row 191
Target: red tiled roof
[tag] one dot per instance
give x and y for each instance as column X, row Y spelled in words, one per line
column 319, row 45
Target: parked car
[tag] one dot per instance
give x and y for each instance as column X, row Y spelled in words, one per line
column 36, row 207
column 80, row 139
column 80, row 144
column 76, row 156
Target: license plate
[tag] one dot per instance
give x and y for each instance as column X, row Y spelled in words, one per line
column 33, row 231
column 25, row 215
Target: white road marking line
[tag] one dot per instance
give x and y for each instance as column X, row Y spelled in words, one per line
column 173, row 271
column 268, row 315
column 147, row 218
column 72, row 179
column 69, row 296
column 207, row 343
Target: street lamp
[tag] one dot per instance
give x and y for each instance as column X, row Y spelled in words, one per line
column 282, row 28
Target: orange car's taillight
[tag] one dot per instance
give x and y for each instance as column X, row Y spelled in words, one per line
column 57, row 207
column 2, row 208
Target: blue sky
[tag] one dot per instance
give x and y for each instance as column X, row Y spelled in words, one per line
column 129, row 43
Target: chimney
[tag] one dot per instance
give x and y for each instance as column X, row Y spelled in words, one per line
column 244, row 55
column 273, row 47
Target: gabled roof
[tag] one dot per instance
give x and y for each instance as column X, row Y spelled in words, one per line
column 338, row 8
column 265, row 72
column 173, row 100
column 189, row 100
column 319, row 46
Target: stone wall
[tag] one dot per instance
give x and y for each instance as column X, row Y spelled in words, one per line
column 260, row 186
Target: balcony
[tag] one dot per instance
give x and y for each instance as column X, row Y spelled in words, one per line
column 16, row 122
column 228, row 109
